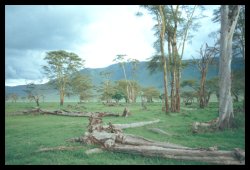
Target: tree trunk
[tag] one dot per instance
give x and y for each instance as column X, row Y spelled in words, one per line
column 214, row 157
column 173, row 107
column 208, row 98
column 178, row 100
column 176, row 68
column 162, row 30
column 61, row 98
column 127, row 84
column 170, row 56
column 227, row 29
column 111, row 138
column 202, row 89
column 68, row 113
column 37, row 102
column 125, row 112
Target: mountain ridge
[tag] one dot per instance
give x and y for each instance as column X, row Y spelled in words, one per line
column 143, row 75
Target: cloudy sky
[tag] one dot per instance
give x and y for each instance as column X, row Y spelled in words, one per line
column 95, row 33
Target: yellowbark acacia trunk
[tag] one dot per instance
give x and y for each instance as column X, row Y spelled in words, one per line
column 162, row 30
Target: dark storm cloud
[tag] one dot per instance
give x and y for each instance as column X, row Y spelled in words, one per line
column 22, row 64
column 43, row 27
column 30, row 31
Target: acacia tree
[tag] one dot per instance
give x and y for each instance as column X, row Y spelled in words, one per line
column 238, row 83
column 206, row 58
column 134, row 63
column 179, row 17
column 107, row 92
column 60, row 66
column 7, row 97
column 106, row 89
column 81, row 86
column 159, row 12
column 188, row 97
column 121, row 60
column 150, row 93
column 229, row 17
column 212, row 86
column 121, row 87
column 14, row 97
column 178, row 21
column 33, row 93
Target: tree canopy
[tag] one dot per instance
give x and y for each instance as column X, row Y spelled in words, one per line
column 60, row 66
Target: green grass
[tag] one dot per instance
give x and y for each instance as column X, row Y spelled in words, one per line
column 24, row 134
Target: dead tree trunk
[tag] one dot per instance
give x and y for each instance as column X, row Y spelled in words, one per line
column 113, row 139
column 159, row 131
column 132, row 125
column 68, row 113
column 214, row 157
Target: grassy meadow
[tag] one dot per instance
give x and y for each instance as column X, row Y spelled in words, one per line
column 25, row 134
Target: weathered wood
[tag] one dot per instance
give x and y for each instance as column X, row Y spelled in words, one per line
column 76, row 139
column 111, row 138
column 36, row 110
column 138, row 140
column 240, row 154
column 60, row 148
column 216, row 157
column 160, row 131
column 73, row 114
column 92, row 151
column 197, row 126
column 132, row 125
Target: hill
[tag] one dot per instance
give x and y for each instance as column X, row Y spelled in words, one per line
column 143, row 76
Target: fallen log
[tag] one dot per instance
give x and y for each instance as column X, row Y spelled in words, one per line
column 111, row 138
column 132, row 125
column 138, row 140
column 73, row 114
column 240, row 154
column 216, row 157
column 92, row 151
column 60, row 148
column 159, row 131
column 80, row 139
column 36, row 110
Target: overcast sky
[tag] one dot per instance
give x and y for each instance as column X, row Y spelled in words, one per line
column 95, row 33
